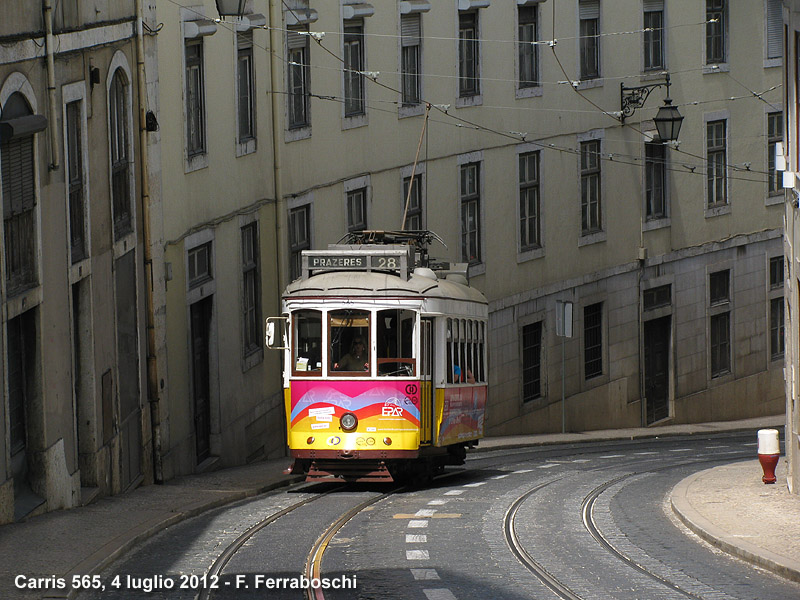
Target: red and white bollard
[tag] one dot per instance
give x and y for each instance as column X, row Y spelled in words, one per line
column 769, row 451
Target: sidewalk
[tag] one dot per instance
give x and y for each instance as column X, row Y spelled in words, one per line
column 728, row 505
column 732, row 509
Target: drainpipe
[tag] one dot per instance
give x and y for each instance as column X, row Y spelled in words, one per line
column 55, row 159
column 152, row 364
column 276, row 70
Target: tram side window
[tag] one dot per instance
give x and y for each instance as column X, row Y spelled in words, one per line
column 481, row 374
column 449, row 344
column 464, row 351
column 307, row 349
column 349, row 341
column 395, row 331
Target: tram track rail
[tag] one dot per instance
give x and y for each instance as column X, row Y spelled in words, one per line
column 313, row 566
column 561, row 589
column 225, row 557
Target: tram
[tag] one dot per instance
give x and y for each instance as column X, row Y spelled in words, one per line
column 385, row 372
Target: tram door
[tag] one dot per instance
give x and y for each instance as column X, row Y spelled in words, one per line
column 426, row 383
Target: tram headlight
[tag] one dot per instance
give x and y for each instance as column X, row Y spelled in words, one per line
column 348, row 421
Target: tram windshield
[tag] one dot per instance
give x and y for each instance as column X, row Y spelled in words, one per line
column 395, row 337
column 349, row 340
column 307, row 350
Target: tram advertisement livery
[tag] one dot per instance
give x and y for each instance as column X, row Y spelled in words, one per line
column 381, row 407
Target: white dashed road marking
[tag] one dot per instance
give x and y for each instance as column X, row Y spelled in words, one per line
column 425, row 512
column 417, row 523
column 524, row 471
column 417, row 555
column 416, row 539
column 439, row 594
column 547, row 466
column 424, row 574
column 476, row 484
column 437, row 502
column 454, row 493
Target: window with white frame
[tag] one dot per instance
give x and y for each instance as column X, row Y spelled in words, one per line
column 720, row 322
column 591, row 209
column 774, row 136
column 653, row 18
column 470, row 212
column 412, row 203
column 354, row 99
column 468, row 54
column 410, row 58
column 357, row 210
column 299, row 238
column 716, row 31
column 776, row 308
column 119, row 145
column 199, row 263
column 76, row 180
column 251, row 290
column 529, row 205
column 298, row 72
column 655, row 180
column 528, row 49
column 195, row 97
column 589, row 38
column 716, row 163
column 246, row 86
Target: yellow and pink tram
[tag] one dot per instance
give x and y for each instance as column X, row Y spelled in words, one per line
column 385, row 369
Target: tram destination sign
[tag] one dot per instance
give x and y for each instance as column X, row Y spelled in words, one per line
column 334, row 261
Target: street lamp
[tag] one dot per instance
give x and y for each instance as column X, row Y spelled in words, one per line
column 233, row 8
column 668, row 120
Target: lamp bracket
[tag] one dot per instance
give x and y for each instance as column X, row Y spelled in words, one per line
column 634, row 97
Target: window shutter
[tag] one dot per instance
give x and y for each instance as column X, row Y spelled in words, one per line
column 589, row 9
column 18, row 177
column 652, row 5
column 295, row 39
column 410, row 29
column 774, row 29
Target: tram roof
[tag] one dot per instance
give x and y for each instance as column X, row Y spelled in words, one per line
column 374, row 284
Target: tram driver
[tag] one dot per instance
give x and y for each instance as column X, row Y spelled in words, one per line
column 356, row 360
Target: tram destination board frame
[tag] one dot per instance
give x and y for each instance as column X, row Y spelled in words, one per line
column 358, row 258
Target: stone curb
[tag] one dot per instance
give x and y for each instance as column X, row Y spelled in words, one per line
column 582, row 438
column 117, row 547
column 720, row 539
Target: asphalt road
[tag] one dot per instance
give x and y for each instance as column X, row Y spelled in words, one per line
column 588, row 521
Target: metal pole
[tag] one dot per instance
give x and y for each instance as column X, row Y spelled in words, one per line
column 563, row 405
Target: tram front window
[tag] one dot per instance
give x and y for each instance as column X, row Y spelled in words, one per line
column 349, row 341
column 395, row 338
column 307, row 349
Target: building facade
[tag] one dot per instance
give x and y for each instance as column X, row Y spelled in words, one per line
column 668, row 254
column 789, row 162
column 76, row 420
column 221, row 402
